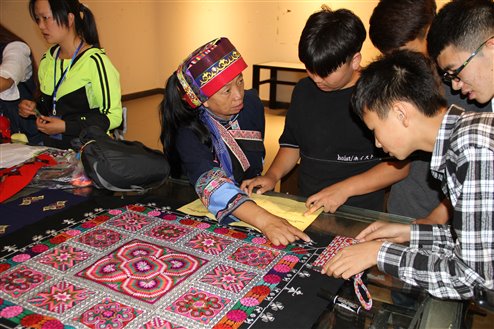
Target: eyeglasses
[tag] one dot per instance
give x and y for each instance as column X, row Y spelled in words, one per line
column 448, row 77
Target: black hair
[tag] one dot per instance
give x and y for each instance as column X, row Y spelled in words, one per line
column 402, row 75
column 174, row 114
column 464, row 24
column 329, row 39
column 393, row 23
column 85, row 24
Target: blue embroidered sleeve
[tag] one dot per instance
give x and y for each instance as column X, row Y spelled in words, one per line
column 220, row 195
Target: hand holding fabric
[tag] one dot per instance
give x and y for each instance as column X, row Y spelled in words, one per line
column 352, row 260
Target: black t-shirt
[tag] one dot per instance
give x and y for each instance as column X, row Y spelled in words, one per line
column 334, row 143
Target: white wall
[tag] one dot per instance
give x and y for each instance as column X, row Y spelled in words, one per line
column 147, row 39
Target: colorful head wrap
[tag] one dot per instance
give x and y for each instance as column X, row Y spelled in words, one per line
column 208, row 69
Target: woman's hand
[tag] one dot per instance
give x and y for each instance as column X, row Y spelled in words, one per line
column 50, row 125
column 279, row 231
column 26, row 108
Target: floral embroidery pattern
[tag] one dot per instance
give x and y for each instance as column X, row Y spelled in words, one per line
column 143, row 270
column 208, row 243
column 60, row 297
column 101, row 238
column 64, row 257
column 130, row 221
column 108, row 314
column 198, row 305
column 168, row 232
column 228, row 278
column 254, row 256
column 21, row 281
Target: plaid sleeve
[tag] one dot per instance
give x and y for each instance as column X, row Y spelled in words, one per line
column 436, row 238
column 441, row 275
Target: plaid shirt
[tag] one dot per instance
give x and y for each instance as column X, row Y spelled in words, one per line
column 448, row 261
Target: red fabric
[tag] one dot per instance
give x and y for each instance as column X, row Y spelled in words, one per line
column 14, row 179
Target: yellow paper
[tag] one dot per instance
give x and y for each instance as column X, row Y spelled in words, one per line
column 291, row 210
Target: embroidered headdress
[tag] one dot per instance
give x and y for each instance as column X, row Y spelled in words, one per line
column 208, row 69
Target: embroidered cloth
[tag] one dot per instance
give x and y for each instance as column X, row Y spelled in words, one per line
column 145, row 267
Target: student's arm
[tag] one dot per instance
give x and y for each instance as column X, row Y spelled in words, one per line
column 285, row 160
column 378, row 177
column 15, row 66
column 5, row 83
column 440, row 215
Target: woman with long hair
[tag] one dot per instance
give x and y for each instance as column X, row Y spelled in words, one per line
column 79, row 85
column 213, row 130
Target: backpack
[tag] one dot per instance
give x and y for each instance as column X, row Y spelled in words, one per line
column 120, row 165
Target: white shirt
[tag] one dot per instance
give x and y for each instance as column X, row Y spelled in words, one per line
column 16, row 65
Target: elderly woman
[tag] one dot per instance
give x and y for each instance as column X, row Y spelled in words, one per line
column 212, row 131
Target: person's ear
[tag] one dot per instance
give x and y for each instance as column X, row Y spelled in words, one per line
column 400, row 111
column 70, row 18
column 356, row 60
column 490, row 43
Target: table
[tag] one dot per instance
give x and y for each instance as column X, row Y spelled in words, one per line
column 295, row 297
column 273, row 81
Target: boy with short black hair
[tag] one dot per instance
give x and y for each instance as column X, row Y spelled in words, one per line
column 461, row 40
column 448, row 261
column 320, row 129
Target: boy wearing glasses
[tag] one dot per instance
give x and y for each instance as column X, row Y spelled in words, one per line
column 461, row 40
column 450, row 261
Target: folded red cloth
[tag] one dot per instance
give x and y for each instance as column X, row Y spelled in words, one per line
column 15, row 178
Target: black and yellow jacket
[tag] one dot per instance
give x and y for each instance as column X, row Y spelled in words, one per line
column 89, row 95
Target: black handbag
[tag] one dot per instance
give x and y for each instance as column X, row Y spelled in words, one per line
column 120, row 165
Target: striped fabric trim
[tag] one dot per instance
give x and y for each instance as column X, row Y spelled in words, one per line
column 105, row 88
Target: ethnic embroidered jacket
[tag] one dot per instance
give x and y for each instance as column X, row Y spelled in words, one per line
column 243, row 134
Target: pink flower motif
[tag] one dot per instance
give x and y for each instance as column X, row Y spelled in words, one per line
column 154, row 213
column 169, row 217
column 272, row 278
column 143, row 266
column 109, row 268
column 39, row 248
column 52, row 324
column 203, row 226
column 249, row 301
column 73, row 232
column 259, row 240
column 11, row 311
column 21, row 258
column 221, row 230
column 147, row 284
column 88, row 224
column 282, row 268
column 115, row 212
column 291, row 258
column 236, row 315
